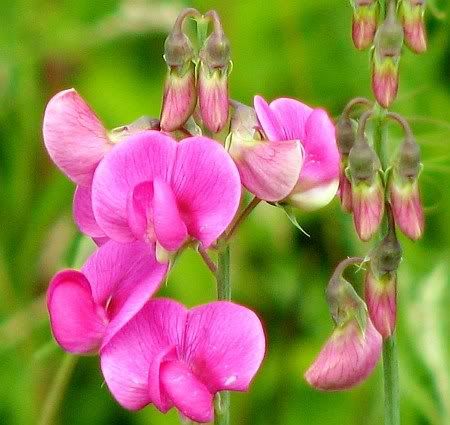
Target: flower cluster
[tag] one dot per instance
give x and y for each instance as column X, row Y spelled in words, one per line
column 149, row 189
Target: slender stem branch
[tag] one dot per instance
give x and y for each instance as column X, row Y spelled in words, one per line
column 222, row 402
column 242, row 216
column 402, row 121
column 208, row 261
column 57, row 390
column 355, row 102
column 391, row 387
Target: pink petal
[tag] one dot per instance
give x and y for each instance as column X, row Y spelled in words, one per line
column 123, row 277
column 145, row 156
column 268, row 119
column 140, row 211
column 83, row 214
column 77, row 323
column 169, row 228
column 127, row 358
column 188, row 394
column 348, row 357
column 207, row 187
column 74, row 137
column 269, row 170
column 224, row 345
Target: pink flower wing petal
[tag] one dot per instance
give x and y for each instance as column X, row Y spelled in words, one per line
column 74, row 137
column 76, row 321
column 83, row 214
column 127, row 358
column 268, row 119
column 170, row 230
column 140, row 211
column 143, row 157
column 189, row 395
column 207, row 187
column 224, row 345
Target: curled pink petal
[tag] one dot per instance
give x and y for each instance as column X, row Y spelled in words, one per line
column 78, row 324
column 347, row 358
column 74, row 137
column 140, row 211
column 207, row 187
column 83, row 214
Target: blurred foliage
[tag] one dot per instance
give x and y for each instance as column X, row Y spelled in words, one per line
column 111, row 52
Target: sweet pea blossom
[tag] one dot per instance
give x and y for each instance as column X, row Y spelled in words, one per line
column 174, row 357
column 89, row 306
column 287, row 120
column 154, row 189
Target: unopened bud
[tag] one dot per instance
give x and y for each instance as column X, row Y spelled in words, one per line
column 403, row 189
column 214, row 67
column 367, row 189
column 364, row 24
column 179, row 97
column 412, row 17
column 386, row 59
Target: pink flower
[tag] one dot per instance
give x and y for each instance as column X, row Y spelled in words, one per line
column 347, row 358
column 173, row 357
column 88, row 307
column 287, row 120
column 155, row 189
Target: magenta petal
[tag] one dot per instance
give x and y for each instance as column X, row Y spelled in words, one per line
column 189, row 395
column 268, row 119
column 169, row 228
column 74, row 137
column 207, row 187
column 140, row 211
column 76, row 321
column 224, row 345
column 347, row 358
column 269, row 170
column 126, row 359
column 145, row 156
column 83, row 214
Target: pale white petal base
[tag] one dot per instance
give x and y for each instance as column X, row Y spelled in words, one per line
column 316, row 197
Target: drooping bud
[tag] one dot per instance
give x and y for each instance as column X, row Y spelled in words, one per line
column 381, row 283
column 364, row 24
column 179, row 97
column 214, row 67
column 345, row 139
column 268, row 169
column 353, row 350
column 403, row 190
column 412, row 17
column 386, row 59
column 367, row 188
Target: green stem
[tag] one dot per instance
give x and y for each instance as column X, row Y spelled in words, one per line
column 222, row 402
column 391, row 386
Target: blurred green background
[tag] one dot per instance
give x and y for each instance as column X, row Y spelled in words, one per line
column 111, row 52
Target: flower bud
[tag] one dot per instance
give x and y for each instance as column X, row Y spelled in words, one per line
column 412, row 17
column 353, row 350
column 179, row 97
column 386, row 59
column 381, row 283
column 268, row 169
column 214, row 67
column 403, row 189
column 364, row 24
column 367, row 189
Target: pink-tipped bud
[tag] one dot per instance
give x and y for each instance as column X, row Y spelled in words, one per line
column 412, row 16
column 364, row 24
column 352, row 351
column 180, row 96
column 381, row 283
column 404, row 194
column 214, row 67
column 268, row 169
column 386, row 59
column 367, row 189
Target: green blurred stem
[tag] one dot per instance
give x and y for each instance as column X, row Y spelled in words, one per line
column 57, row 390
column 222, row 401
column 391, row 385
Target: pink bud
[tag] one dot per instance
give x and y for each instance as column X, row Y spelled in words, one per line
column 364, row 25
column 412, row 16
column 385, row 80
column 347, row 358
column 345, row 190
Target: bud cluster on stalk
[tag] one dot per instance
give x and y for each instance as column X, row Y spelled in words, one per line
column 196, row 74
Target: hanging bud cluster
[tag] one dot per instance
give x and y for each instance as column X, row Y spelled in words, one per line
column 192, row 74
